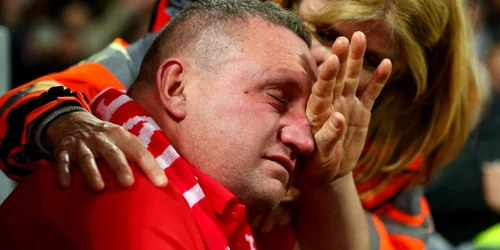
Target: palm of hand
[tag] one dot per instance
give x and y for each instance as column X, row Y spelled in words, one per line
column 339, row 113
column 358, row 120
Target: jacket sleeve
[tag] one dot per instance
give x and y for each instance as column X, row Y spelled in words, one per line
column 21, row 107
column 403, row 223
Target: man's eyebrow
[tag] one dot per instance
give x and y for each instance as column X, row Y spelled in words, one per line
column 293, row 83
column 310, row 72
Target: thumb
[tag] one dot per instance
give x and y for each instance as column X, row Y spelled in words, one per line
column 322, row 165
column 332, row 132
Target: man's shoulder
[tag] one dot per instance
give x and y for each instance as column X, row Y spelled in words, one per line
column 143, row 199
column 143, row 190
column 155, row 217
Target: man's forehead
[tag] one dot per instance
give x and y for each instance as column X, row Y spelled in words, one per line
column 310, row 67
column 294, row 79
column 279, row 43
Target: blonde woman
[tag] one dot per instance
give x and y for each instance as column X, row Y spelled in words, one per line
column 419, row 122
column 425, row 112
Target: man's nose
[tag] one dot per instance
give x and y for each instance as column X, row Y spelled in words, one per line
column 299, row 137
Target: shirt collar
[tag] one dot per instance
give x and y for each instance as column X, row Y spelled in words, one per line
column 221, row 199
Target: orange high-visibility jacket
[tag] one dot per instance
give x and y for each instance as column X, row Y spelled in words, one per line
column 398, row 217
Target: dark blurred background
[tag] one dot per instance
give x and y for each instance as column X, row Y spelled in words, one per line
column 50, row 35
column 465, row 196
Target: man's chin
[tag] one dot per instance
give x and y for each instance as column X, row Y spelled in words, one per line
column 266, row 201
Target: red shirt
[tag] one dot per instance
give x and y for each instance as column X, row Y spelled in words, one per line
column 193, row 212
column 230, row 215
column 39, row 215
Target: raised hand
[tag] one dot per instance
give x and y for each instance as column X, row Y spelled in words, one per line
column 79, row 138
column 339, row 111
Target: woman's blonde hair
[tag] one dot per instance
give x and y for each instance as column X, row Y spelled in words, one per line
column 429, row 109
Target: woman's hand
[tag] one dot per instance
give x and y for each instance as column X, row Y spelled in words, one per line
column 79, row 139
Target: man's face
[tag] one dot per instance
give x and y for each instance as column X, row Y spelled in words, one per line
column 246, row 125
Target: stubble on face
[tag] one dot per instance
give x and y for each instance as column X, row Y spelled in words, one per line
column 233, row 121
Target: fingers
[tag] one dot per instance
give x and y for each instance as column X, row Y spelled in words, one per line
column 270, row 221
column 354, row 63
column 257, row 221
column 71, row 151
column 328, row 137
column 86, row 138
column 286, row 219
column 62, row 166
column 114, row 145
column 341, row 49
column 85, row 159
column 376, row 84
column 83, row 153
column 320, row 100
column 280, row 215
column 136, row 152
column 116, row 161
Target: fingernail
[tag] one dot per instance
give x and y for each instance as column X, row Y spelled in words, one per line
column 65, row 182
column 98, row 184
column 127, row 179
column 337, row 124
column 161, row 180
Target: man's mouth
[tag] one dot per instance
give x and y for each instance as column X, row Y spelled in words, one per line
column 283, row 161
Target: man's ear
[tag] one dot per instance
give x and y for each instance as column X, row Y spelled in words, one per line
column 170, row 84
